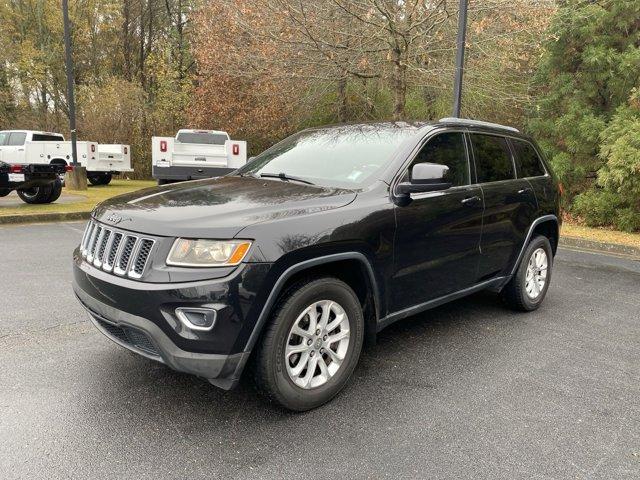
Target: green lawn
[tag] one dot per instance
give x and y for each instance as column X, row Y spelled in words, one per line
column 86, row 199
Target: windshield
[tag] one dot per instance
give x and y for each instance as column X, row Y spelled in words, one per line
column 345, row 156
column 202, row 138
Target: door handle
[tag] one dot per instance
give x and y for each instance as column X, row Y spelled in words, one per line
column 470, row 201
column 522, row 191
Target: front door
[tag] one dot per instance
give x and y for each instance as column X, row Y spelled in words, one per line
column 510, row 205
column 4, row 136
column 438, row 233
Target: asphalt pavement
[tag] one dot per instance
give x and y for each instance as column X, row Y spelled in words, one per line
column 466, row 391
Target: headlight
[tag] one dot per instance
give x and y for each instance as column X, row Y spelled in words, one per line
column 207, row 253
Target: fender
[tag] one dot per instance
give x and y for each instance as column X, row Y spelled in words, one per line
column 277, row 288
column 536, row 222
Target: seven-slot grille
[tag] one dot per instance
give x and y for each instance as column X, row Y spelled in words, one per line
column 117, row 251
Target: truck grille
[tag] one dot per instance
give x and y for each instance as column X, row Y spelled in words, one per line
column 116, row 251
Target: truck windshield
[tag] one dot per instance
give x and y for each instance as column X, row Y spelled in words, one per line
column 202, row 138
column 46, row 137
column 345, row 156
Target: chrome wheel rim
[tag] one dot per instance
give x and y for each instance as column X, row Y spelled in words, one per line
column 317, row 344
column 537, row 269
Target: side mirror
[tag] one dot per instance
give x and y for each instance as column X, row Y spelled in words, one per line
column 425, row 177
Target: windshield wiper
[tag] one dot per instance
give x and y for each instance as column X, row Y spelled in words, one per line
column 284, row 176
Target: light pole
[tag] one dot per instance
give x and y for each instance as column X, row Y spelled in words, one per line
column 69, row 67
column 462, row 30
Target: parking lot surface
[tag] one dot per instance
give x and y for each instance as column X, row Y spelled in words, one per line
column 468, row 390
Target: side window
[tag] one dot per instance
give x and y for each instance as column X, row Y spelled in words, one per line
column 446, row 149
column 527, row 160
column 17, row 138
column 44, row 137
column 3, row 138
column 493, row 158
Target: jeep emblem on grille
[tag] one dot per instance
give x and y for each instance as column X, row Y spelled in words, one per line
column 114, row 218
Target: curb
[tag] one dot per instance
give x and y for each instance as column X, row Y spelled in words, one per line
column 43, row 217
column 593, row 245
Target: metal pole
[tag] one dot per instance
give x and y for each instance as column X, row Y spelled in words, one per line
column 70, row 81
column 462, row 30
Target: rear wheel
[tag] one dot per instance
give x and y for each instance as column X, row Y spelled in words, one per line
column 99, row 178
column 529, row 285
column 36, row 195
column 312, row 344
column 56, row 190
column 4, row 192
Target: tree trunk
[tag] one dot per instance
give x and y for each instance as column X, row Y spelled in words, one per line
column 342, row 99
column 399, row 84
column 126, row 39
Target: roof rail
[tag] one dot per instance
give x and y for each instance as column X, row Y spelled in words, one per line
column 466, row 121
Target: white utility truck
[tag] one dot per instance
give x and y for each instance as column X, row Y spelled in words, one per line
column 34, row 147
column 194, row 154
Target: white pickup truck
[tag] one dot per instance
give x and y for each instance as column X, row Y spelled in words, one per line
column 194, row 154
column 34, row 148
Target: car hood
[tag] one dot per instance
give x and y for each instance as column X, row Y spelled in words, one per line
column 216, row 208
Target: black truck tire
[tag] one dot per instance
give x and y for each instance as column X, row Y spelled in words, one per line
column 100, row 178
column 4, row 192
column 36, row 195
column 56, row 190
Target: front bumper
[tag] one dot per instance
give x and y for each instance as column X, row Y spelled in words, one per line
column 139, row 316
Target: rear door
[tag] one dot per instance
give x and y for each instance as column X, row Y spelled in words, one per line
column 437, row 242
column 200, row 149
column 510, row 204
column 529, row 165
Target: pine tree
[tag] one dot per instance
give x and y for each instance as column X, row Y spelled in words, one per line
column 589, row 71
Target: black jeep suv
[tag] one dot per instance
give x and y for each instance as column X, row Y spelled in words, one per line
column 289, row 263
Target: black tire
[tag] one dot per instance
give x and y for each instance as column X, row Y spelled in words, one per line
column 36, row 195
column 99, row 178
column 163, row 181
column 4, row 192
column 515, row 292
column 94, row 179
column 56, row 190
column 270, row 370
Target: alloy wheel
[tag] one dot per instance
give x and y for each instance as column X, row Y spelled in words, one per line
column 317, row 344
column 536, row 277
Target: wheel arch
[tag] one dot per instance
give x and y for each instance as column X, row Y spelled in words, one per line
column 339, row 265
column 546, row 225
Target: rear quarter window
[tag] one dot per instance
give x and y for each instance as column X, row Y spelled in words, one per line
column 41, row 137
column 527, row 160
column 492, row 157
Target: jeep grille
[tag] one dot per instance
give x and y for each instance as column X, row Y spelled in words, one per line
column 117, row 251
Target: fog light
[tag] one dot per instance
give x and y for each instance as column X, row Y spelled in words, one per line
column 202, row 319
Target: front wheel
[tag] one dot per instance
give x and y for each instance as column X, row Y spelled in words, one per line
column 312, row 345
column 529, row 285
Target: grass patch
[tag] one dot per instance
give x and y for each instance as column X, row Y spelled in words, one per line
column 84, row 201
column 600, row 235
